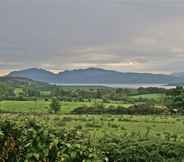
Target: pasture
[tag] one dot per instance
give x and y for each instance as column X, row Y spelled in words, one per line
column 100, row 125
column 42, row 106
column 31, row 132
column 154, row 96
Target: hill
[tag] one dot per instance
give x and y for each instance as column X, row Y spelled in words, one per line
column 20, row 81
column 94, row 76
column 35, row 74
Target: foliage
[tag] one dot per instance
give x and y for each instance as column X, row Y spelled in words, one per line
column 176, row 100
column 55, row 105
column 5, row 90
column 141, row 150
column 146, row 109
column 33, row 141
column 136, row 109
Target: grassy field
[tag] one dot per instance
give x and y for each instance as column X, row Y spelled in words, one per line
column 99, row 125
column 30, row 132
column 66, row 107
column 155, row 96
column 36, row 106
column 42, row 106
column 150, row 138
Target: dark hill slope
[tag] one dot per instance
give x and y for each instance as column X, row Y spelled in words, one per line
column 95, row 76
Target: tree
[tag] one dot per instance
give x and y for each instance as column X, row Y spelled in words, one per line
column 176, row 100
column 6, row 90
column 55, row 105
column 31, row 92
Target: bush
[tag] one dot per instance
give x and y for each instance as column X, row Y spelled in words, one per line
column 145, row 109
column 121, row 149
column 176, row 100
column 55, row 105
column 141, row 109
column 34, row 142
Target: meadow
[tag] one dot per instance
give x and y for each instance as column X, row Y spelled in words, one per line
column 42, row 106
column 91, row 125
column 155, row 96
column 153, row 126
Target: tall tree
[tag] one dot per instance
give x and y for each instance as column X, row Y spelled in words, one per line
column 176, row 100
column 55, row 105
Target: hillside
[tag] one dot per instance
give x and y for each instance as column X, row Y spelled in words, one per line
column 35, row 74
column 20, row 81
column 94, row 76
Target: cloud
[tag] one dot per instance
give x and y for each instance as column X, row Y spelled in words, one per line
column 134, row 35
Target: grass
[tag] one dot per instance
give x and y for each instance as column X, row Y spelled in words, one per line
column 35, row 106
column 42, row 106
column 100, row 125
column 45, row 93
column 155, row 96
column 24, row 106
column 130, row 124
column 119, row 138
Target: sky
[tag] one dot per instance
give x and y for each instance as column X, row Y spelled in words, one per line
column 123, row 35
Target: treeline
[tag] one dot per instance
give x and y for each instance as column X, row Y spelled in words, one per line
column 136, row 109
column 37, row 90
column 173, row 103
column 6, row 90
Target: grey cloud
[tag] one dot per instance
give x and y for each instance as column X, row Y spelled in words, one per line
column 134, row 35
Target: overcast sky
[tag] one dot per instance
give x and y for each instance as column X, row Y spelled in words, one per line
column 125, row 35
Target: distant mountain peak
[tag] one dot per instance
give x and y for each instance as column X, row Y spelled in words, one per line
column 93, row 75
column 37, row 74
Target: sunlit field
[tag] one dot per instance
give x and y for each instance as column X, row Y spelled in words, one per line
column 41, row 106
column 90, row 124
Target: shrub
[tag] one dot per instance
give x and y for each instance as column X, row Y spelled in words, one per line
column 55, row 105
column 33, row 142
column 141, row 109
column 145, row 109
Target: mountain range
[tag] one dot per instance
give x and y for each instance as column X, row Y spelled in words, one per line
column 97, row 76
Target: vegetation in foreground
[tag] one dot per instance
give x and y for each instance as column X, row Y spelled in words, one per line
column 44, row 123
column 56, row 138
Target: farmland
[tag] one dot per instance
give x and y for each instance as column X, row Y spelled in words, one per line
column 91, row 137
column 43, row 123
column 91, row 81
column 39, row 106
column 106, row 124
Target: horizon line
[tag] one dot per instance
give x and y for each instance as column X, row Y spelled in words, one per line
column 4, row 72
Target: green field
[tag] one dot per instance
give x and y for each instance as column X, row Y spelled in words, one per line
column 158, row 126
column 155, row 96
column 36, row 106
column 55, row 126
column 42, row 106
